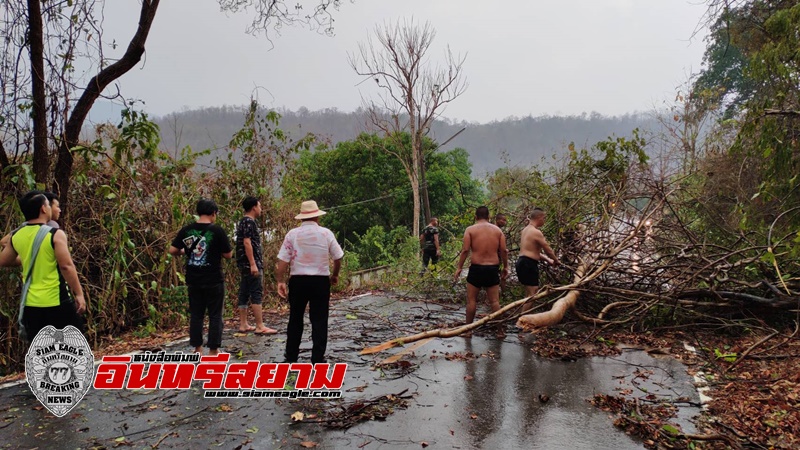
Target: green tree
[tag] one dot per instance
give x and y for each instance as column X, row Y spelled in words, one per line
column 767, row 35
column 725, row 64
column 361, row 185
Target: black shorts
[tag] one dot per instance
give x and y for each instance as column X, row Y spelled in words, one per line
column 528, row 271
column 483, row 276
column 36, row 318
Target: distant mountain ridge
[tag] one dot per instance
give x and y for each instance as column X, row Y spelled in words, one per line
column 509, row 142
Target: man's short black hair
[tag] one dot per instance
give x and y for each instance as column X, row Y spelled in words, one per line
column 31, row 204
column 51, row 196
column 499, row 215
column 249, row 203
column 206, row 207
column 537, row 213
column 482, row 213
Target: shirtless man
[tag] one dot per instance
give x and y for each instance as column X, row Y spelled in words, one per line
column 486, row 245
column 532, row 244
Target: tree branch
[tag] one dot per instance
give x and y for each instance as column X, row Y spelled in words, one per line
column 96, row 85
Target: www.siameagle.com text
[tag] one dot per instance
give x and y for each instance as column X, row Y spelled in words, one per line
column 299, row 393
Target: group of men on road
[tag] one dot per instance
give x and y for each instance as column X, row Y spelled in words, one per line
column 485, row 245
column 305, row 255
column 52, row 293
column 303, row 271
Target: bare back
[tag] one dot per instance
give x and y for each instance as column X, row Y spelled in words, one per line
column 531, row 242
column 486, row 240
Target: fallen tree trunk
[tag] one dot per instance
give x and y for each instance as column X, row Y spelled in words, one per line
column 556, row 313
column 451, row 332
column 456, row 331
column 552, row 317
column 586, row 272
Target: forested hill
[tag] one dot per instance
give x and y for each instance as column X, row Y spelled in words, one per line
column 512, row 141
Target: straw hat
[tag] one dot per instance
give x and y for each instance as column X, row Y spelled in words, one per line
column 309, row 210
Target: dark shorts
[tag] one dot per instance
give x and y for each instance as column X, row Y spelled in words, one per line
column 528, row 271
column 60, row 316
column 482, row 276
column 251, row 289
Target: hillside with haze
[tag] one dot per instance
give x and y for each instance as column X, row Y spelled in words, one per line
column 512, row 141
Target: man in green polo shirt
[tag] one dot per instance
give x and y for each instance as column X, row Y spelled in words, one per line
column 49, row 300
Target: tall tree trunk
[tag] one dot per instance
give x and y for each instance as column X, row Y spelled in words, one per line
column 132, row 56
column 41, row 157
column 415, row 191
column 423, row 181
column 415, row 161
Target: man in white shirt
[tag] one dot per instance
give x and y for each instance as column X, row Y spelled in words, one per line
column 306, row 253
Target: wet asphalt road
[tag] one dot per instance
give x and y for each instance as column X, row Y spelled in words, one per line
column 488, row 401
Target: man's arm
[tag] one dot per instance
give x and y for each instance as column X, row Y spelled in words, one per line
column 226, row 244
column 68, row 270
column 465, row 248
column 436, row 241
column 337, row 265
column 9, row 257
column 280, row 274
column 504, row 255
column 175, row 251
column 248, row 251
column 546, row 248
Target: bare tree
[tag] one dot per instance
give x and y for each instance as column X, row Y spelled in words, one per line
column 413, row 93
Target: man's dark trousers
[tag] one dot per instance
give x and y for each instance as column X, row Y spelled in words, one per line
column 314, row 291
column 206, row 298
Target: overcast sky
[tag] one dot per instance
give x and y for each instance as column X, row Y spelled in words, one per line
column 523, row 56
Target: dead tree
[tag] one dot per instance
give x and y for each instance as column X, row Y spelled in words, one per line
column 413, row 94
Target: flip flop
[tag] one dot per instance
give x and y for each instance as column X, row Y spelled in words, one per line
column 264, row 333
column 249, row 328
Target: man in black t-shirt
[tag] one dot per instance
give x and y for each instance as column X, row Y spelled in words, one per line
column 250, row 260
column 429, row 239
column 204, row 244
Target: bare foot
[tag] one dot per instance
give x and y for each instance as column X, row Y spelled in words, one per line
column 213, row 352
column 198, row 350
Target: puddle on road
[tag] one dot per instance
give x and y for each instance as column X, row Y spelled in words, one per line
column 493, row 401
column 490, row 401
